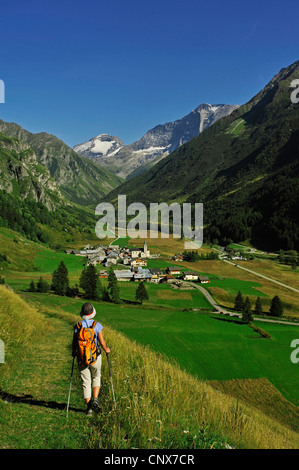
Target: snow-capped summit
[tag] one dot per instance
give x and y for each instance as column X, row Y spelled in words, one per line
column 102, row 145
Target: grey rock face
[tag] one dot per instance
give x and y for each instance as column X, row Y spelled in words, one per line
column 129, row 160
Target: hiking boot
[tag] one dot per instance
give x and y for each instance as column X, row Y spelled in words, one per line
column 95, row 405
column 89, row 411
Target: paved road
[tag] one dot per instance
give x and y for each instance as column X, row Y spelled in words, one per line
column 224, row 311
column 209, row 298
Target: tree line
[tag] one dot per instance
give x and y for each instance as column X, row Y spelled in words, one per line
column 26, row 215
column 89, row 282
column 194, row 256
column 244, row 306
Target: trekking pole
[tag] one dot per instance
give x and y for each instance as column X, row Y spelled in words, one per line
column 107, row 355
column 68, row 401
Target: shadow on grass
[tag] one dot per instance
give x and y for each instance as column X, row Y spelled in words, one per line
column 130, row 302
column 230, row 320
column 30, row 400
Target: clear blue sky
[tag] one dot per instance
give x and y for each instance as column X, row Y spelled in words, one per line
column 80, row 68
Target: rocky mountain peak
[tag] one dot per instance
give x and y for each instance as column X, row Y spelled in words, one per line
column 125, row 160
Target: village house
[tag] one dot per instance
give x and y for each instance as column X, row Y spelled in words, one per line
column 136, row 274
column 173, row 270
column 168, row 278
column 140, row 252
column 203, row 279
column 157, row 275
column 141, row 274
column 124, row 274
column 190, row 276
column 103, row 274
column 178, row 257
column 138, row 262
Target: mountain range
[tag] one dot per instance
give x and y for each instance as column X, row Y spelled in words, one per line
column 244, row 168
column 128, row 161
column 47, row 191
column 74, row 177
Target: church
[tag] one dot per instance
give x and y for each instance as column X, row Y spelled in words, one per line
column 139, row 252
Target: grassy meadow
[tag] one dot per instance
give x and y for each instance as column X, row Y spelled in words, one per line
column 158, row 404
column 201, row 344
column 184, row 377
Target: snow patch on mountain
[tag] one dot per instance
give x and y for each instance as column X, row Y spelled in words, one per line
column 101, row 145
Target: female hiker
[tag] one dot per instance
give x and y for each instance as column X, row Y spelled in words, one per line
column 87, row 339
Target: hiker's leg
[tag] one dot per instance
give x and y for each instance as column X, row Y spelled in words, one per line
column 95, row 370
column 86, row 383
column 96, row 382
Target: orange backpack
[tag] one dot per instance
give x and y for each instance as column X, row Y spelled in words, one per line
column 87, row 351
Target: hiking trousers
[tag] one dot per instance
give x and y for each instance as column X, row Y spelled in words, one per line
column 90, row 376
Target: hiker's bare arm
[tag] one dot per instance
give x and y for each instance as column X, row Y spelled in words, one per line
column 103, row 343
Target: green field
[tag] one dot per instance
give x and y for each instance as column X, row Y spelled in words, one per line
column 199, row 343
column 206, row 347
column 232, row 286
column 163, row 295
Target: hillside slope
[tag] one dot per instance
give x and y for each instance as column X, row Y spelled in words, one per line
column 158, row 405
column 79, row 179
column 244, row 169
column 31, row 201
column 23, row 175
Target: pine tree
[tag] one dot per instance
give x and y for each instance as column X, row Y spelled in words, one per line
column 42, row 286
column 83, row 279
column 113, row 287
column 281, row 256
column 60, row 281
column 141, row 293
column 258, row 309
column 276, row 308
column 246, row 311
column 90, row 283
column 114, row 294
column 111, row 278
column 32, row 287
column 239, row 302
column 105, row 295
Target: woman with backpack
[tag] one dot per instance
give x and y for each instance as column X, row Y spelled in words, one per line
column 87, row 339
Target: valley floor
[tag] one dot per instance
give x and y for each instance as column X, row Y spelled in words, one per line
column 176, row 328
